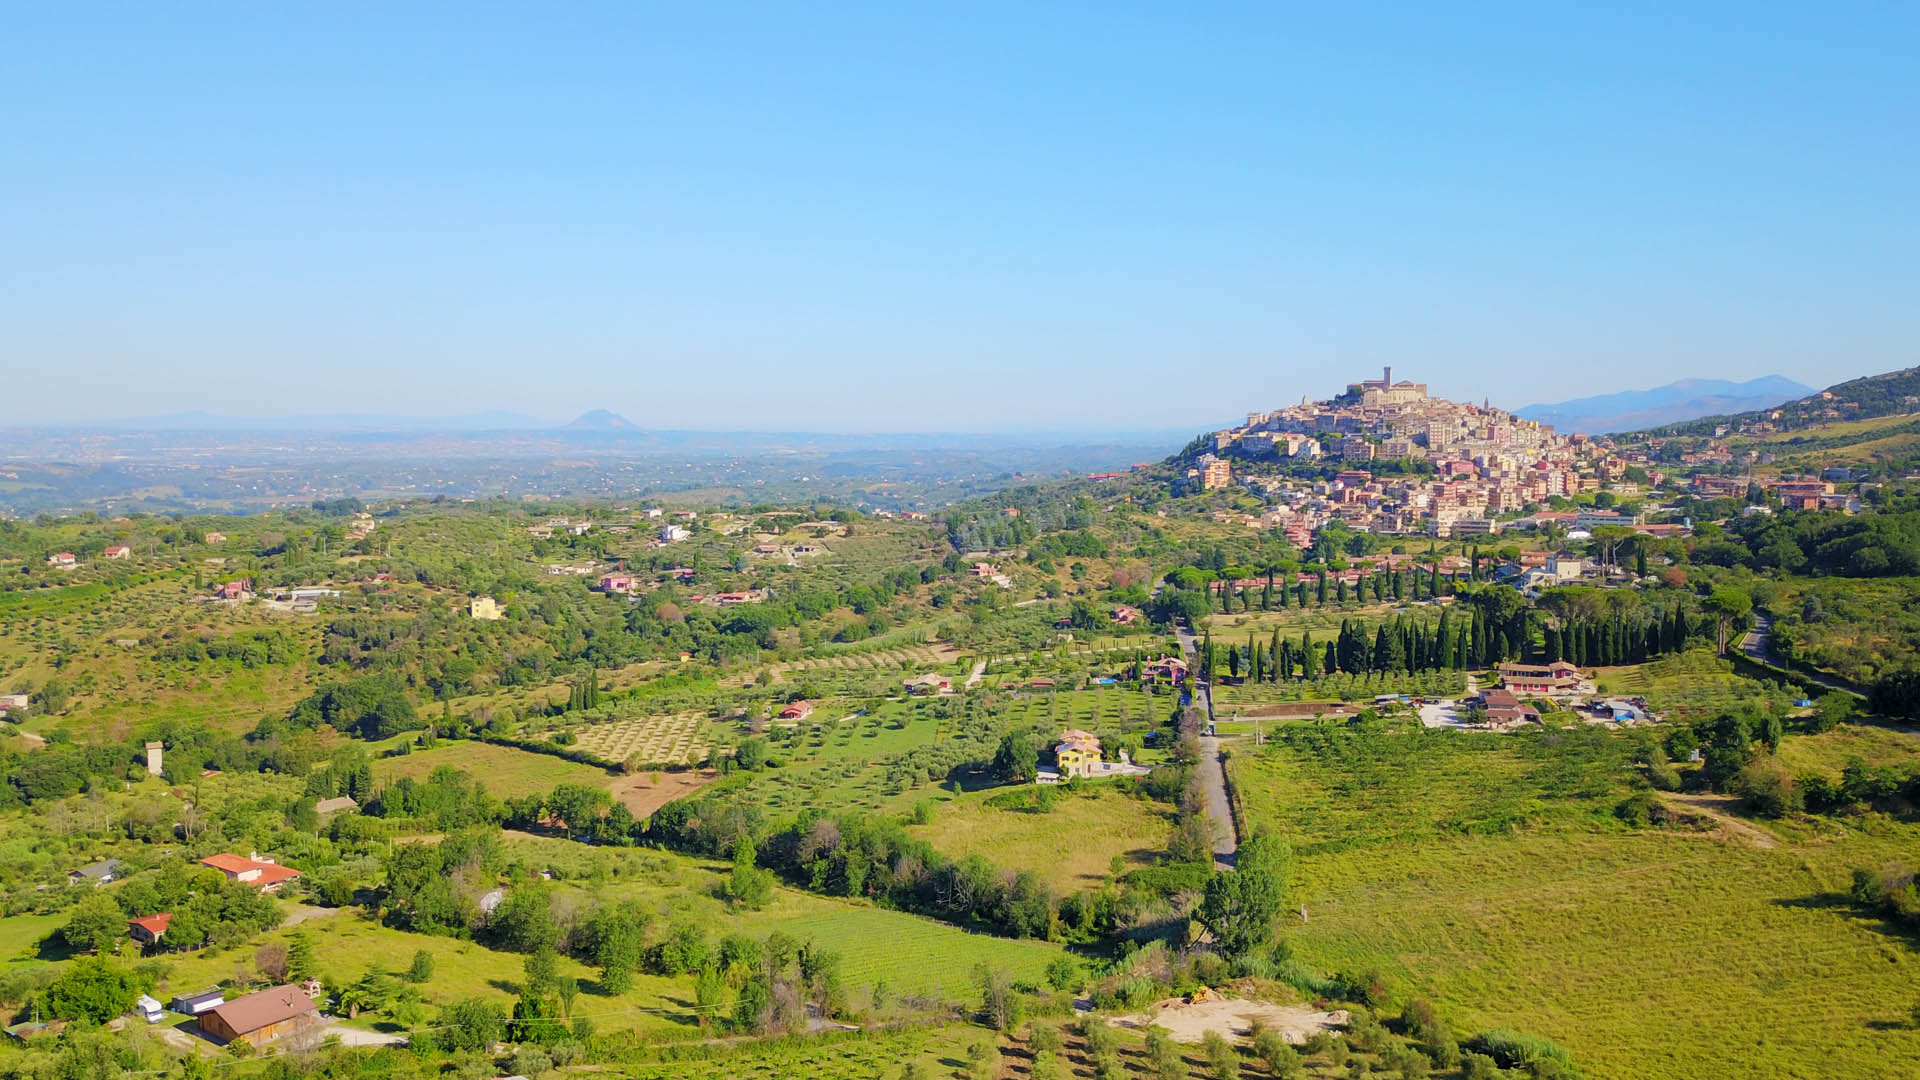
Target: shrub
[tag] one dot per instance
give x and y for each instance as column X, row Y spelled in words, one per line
column 1768, row 789
column 1512, row 1049
column 421, row 970
column 1637, row 809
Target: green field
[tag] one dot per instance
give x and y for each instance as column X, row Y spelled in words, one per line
column 1071, row 846
column 507, row 772
column 1488, row 873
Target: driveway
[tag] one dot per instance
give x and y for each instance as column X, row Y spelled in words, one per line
column 1213, row 782
column 1211, row 771
column 352, row 1036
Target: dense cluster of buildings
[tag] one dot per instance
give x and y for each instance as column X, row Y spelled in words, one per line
column 1487, row 465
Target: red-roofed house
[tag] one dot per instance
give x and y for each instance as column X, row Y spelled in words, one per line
column 798, row 710
column 64, row 558
column 119, row 551
column 263, row 874
column 147, row 929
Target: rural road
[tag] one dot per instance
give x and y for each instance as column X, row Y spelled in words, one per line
column 1757, row 646
column 1211, row 770
column 979, row 669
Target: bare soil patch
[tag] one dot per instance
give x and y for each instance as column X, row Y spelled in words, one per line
column 1233, row 1018
column 1719, row 808
column 642, row 796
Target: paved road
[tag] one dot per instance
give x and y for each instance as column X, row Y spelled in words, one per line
column 1757, row 646
column 1212, row 773
column 1759, row 639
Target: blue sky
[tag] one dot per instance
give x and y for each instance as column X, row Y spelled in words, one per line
column 969, row 217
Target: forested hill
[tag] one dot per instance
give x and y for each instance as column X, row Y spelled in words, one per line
column 1890, row 394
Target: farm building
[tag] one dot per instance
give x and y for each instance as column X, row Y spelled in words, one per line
column 1558, row 677
column 148, row 929
column 98, row 873
column 335, row 805
column 798, row 710
column 927, row 684
column 263, row 874
column 1504, row 711
column 262, row 1017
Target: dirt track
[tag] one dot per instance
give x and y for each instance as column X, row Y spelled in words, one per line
column 1720, row 809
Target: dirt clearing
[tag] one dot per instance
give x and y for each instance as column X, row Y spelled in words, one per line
column 642, row 796
column 1233, row 1018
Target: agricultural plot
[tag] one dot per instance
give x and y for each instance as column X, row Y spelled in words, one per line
column 508, row 773
column 908, row 657
column 1072, row 846
column 853, row 1057
column 1292, row 620
column 1693, row 686
column 1112, row 708
column 655, row 740
column 1490, row 875
column 1231, row 698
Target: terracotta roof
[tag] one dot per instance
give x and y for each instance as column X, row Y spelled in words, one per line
column 270, row 873
column 153, row 924
column 255, row 1011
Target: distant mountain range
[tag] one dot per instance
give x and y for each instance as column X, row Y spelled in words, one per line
column 1674, row 403
column 1890, row 393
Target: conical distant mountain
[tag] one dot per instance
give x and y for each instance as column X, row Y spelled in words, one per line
column 600, row 420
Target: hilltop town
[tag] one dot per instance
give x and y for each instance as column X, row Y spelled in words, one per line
column 1387, row 457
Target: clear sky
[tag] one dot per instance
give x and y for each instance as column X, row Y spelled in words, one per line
column 959, row 217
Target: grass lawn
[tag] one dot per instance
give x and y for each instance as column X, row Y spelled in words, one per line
column 507, row 772
column 1071, row 846
column 20, row 935
column 1493, row 879
column 1830, row 751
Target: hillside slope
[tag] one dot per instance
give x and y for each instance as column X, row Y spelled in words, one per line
column 1891, row 393
column 1673, row 403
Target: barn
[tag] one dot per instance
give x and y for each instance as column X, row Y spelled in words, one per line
column 261, row 1017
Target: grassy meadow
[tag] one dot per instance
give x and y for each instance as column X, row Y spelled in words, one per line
column 1489, row 873
column 508, row 773
column 1072, row 845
